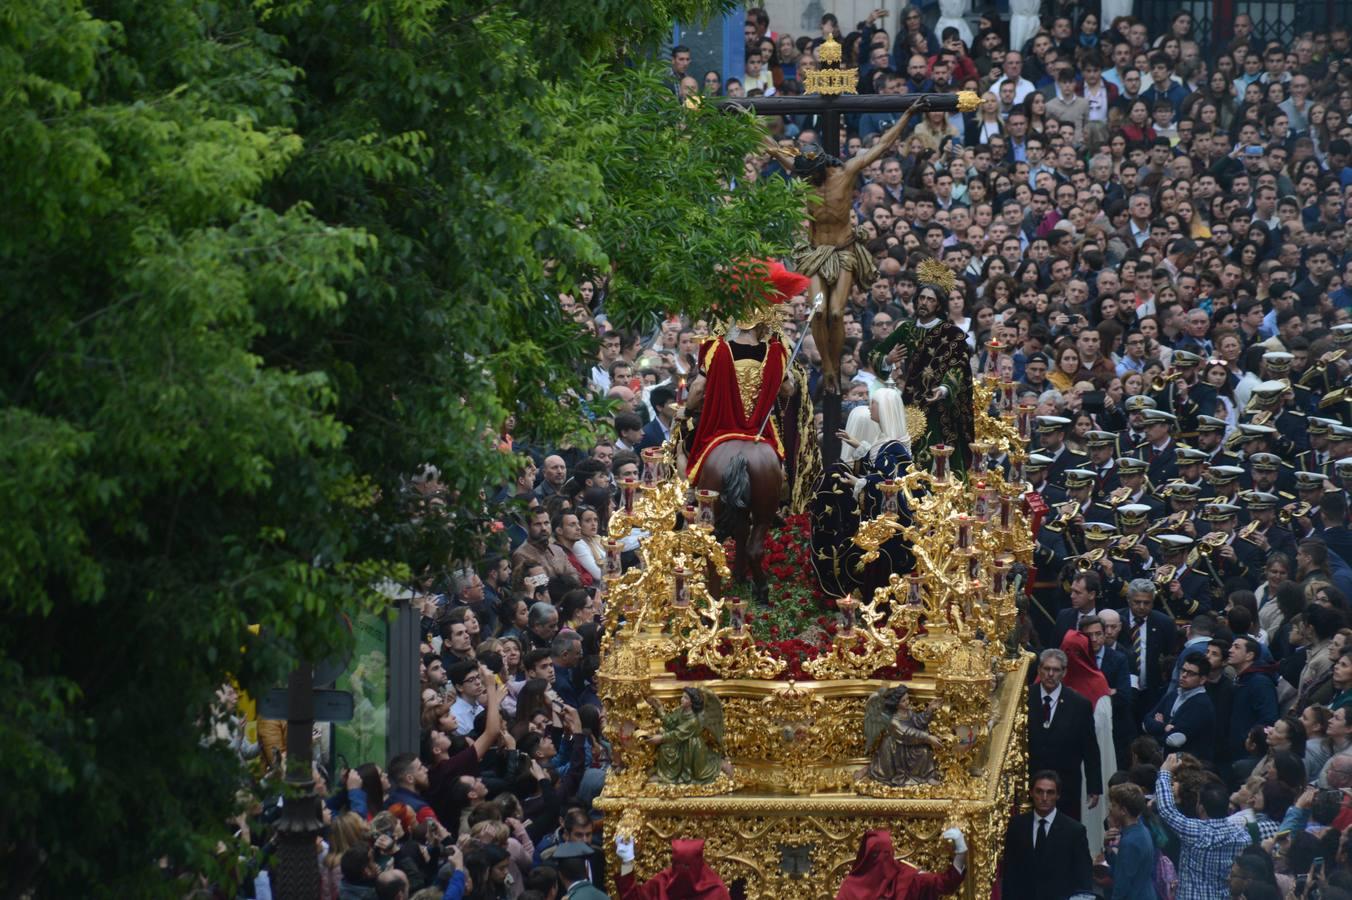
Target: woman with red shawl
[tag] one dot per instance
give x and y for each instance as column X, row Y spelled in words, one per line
column 1084, row 677
column 878, row 876
column 687, row 878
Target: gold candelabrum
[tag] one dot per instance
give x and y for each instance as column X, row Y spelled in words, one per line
column 796, row 800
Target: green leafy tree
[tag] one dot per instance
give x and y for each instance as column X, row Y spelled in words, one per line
column 260, row 262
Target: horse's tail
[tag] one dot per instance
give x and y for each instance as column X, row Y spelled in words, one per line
column 736, row 483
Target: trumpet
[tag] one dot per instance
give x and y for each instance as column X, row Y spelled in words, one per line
column 1318, row 368
column 1298, row 510
column 1168, row 523
column 1163, row 575
column 1086, row 561
column 1247, row 531
column 1122, row 547
column 1162, row 381
column 1118, row 496
column 1207, row 546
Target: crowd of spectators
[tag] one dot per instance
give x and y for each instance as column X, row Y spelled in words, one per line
column 1155, row 227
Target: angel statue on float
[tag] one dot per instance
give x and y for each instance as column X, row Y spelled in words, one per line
column 690, row 747
column 930, row 361
column 898, row 738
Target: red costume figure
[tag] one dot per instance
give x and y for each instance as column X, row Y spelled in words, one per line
column 687, row 878
column 742, row 377
column 878, row 876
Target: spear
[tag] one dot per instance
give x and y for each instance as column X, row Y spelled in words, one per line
column 817, row 302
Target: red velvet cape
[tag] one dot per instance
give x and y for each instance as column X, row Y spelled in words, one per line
column 722, row 417
column 878, row 876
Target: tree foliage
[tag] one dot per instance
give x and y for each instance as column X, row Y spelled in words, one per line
column 260, row 261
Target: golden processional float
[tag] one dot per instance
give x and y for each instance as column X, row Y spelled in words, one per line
column 775, row 773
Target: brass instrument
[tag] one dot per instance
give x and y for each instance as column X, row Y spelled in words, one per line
column 1074, row 535
column 1170, row 522
column 1319, row 367
column 1246, row 533
column 1086, row 561
column 1208, row 545
column 1122, row 547
column 1119, row 496
column 1162, row 381
column 1163, row 575
column 1297, row 510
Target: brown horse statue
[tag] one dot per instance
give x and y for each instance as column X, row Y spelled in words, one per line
column 748, row 478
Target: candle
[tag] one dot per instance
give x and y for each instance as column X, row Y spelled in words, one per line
column 973, row 566
column 1016, row 471
column 1007, row 390
column 847, row 605
column 986, row 502
column 915, row 593
column 613, row 550
column 737, row 616
column 1007, row 508
column 680, row 595
column 1026, row 420
column 981, row 504
column 890, row 487
column 628, row 485
column 993, row 350
column 999, row 576
column 707, row 499
column 980, row 456
column 652, row 463
column 964, row 531
column 941, row 453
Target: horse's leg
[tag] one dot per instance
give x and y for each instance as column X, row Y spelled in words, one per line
column 755, row 557
column 742, row 534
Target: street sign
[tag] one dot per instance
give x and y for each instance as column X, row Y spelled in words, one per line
column 330, row 706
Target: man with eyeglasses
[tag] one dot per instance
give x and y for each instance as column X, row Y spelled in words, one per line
column 1134, row 359
column 468, row 680
column 1184, row 720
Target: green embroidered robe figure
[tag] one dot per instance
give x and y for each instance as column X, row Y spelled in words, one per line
column 932, row 365
column 690, row 747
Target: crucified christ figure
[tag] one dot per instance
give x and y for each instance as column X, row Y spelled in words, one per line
column 833, row 254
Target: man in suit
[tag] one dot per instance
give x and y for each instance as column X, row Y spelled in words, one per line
column 1084, row 594
column 1046, row 853
column 655, row 433
column 1148, row 635
column 1184, row 720
column 1061, row 735
column 1112, row 662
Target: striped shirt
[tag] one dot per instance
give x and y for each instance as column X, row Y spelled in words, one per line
column 1209, row 846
